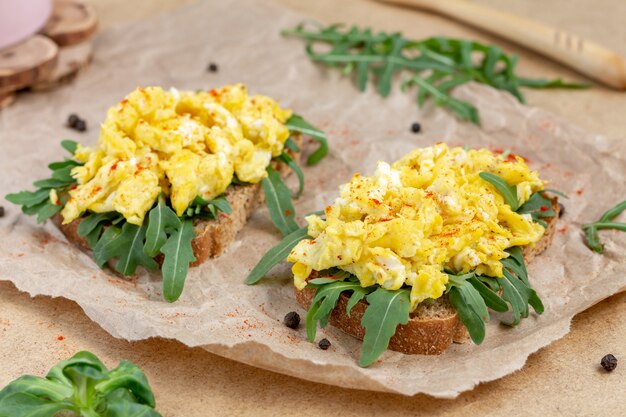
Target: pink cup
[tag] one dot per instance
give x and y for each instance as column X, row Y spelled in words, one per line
column 20, row 19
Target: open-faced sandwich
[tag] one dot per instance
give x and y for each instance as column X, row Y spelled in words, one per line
column 413, row 257
column 173, row 178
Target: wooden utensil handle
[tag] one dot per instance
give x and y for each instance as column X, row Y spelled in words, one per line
column 587, row 57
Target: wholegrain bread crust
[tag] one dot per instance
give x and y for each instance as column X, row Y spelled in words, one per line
column 433, row 326
column 212, row 236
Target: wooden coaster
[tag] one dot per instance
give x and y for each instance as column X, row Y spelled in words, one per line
column 72, row 22
column 72, row 26
column 27, row 63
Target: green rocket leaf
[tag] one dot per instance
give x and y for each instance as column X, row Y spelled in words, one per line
column 278, row 200
column 178, row 255
column 162, row 221
column 297, row 124
column 276, row 255
column 509, row 192
column 386, row 310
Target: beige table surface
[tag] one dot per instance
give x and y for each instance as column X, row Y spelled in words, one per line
column 561, row 379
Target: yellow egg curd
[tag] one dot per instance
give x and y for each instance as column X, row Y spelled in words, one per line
column 427, row 212
column 184, row 144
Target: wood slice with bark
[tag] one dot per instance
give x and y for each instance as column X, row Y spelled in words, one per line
column 27, row 63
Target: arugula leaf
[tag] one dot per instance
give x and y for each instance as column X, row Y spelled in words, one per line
column 538, row 206
column 83, row 386
column 133, row 253
column 69, row 145
column 91, row 226
column 385, row 311
column 311, row 325
column 178, row 255
column 29, row 198
column 290, row 144
column 63, row 164
column 125, row 244
column 276, row 255
column 469, row 316
column 492, row 300
column 46, row 210
column 437, row 65
column 209, row 209
column 325, row 300
column 297, row 124
column 592, row 239
column 509, row 192
column 162, row 221
column 357, row 295
column 288, row 160
column 278, row 200
column 105, row 248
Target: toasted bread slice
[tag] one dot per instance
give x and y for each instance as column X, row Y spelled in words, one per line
column 212, row 236
column 434, row 325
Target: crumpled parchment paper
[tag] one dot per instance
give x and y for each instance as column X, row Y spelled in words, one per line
column 220, row 313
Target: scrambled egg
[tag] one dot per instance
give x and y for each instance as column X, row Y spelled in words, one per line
column 185, row 144
column 427, row 212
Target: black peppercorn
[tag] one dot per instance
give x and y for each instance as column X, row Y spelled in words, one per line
column 80, row 125
column 609, row 362
column 561, row 210
column 1, row 211
column 292, row 320
column 324, row 344
column 416, row 127
column 72, row 119
column 212, row 67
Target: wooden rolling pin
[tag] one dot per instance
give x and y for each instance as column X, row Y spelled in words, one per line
column 589, row 58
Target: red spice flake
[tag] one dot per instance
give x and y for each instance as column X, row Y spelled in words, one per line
column 377, row 202
column 96, row 190
column 563, row 229
column 214, row 93
column 288, row 212
column 19, row 255
column 580, row 191
column 544, row 208
column 74, row 187
column 114, row 166
column 60, row 338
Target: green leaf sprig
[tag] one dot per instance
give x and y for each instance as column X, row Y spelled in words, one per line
column 83, row 386
column 539, row 206
column 437, row 65
column 296, row 123
column 164, row 233
column 592, row 239
column 509, row 192
column 38, row 202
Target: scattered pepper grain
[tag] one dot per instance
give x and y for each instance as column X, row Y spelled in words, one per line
column 292, row 320
column 324, row 344
column 212, row 67
column 609, row 362
column 416, row 127
column 561, row 210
